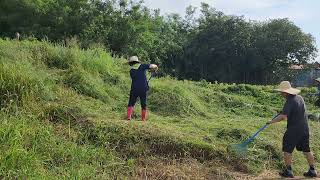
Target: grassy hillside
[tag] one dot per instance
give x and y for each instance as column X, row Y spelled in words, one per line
column 63, row 110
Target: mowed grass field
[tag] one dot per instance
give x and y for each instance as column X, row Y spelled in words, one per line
column 63, row 116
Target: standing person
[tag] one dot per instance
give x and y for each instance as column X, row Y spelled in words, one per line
column 317, row 103
column 18, row 36
column 297, row 133
column 139, row 85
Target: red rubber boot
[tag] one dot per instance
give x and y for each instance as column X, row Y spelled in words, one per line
column 129, row 113
column 143, row 114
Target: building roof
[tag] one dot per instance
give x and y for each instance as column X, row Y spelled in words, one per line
column 297, row 67
column 315, row 65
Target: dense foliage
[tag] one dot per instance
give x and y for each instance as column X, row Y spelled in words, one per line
column 212, row 46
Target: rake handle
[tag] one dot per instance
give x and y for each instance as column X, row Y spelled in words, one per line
column 256, row 134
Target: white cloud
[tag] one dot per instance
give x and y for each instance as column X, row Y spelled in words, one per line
column 261, row 9
column 234, row 6
column 318, row 58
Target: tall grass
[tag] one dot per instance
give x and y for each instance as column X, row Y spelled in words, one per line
column 19, row 83
column 33, row 149
column 62, row 114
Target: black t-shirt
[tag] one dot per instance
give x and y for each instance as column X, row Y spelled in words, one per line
column 295, row 109
column 139, row 79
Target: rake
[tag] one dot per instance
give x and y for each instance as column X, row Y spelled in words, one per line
column 242, row 149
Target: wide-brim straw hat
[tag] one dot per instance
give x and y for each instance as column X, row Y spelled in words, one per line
column 285, row 86
column 318, row 80
column 133, row 59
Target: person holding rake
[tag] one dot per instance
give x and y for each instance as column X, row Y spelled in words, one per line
column 297, row 133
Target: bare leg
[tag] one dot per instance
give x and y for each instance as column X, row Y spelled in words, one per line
column 287, row 158
column 312, row 171
column 310, row 158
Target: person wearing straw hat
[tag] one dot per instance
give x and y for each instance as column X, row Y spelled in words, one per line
column 317, row 81
column 317, row 103
column 297, row 133
column 139, row 85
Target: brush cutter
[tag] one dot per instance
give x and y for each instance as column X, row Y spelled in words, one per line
column 153, row 74
column 242, row 149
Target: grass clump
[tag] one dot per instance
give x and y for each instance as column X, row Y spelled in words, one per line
column 174, row 100
column 19, row 83
column 86, row 84
column 63, row 114
column 232, row 134
column 61, row 58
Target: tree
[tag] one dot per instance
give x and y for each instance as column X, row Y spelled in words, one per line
column 214, row 46
column 231, row 49
column 279, row 43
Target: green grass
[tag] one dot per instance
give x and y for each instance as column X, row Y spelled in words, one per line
column 62, row 116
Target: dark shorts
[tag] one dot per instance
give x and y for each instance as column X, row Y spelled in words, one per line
column 293, row 139
column 133, row 98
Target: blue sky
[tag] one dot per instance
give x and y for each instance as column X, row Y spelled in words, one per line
column 304, row 13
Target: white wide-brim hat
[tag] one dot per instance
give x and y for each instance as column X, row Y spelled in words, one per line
column 133, row 59
column 285, row 86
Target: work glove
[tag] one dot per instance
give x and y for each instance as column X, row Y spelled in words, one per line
column 156, row 69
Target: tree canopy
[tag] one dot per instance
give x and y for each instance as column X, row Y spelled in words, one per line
column 212, row 46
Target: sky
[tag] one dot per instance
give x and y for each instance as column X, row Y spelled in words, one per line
column 304, row 13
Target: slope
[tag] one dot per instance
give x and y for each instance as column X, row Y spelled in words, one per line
column 62, row 116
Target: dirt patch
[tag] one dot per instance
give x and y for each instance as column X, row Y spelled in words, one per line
column 158, row 168
column 173, row 169
column 161, row 168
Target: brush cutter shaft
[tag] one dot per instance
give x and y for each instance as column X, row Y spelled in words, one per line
column 151, row 76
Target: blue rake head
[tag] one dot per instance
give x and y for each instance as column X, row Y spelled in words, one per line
column 238, row 149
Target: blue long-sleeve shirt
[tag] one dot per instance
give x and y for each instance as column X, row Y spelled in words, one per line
column 139, row 78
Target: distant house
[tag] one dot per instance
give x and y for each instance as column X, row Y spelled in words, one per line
column 305, row 74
